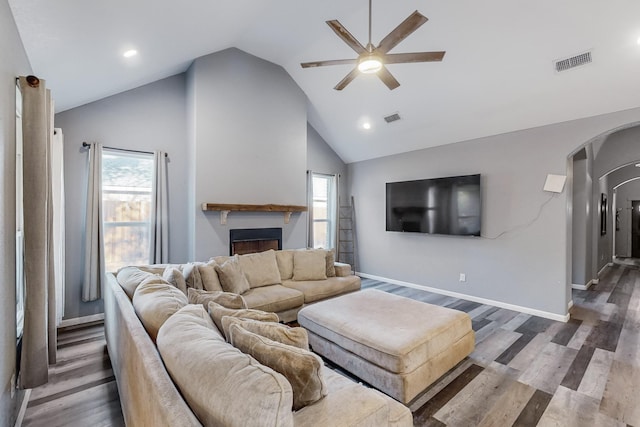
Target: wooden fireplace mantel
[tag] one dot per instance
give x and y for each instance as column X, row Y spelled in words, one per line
column 226, row 208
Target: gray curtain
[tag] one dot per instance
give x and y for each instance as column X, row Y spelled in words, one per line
column 37, row 129
column 94, row 267
column 310, row 208
column 159, row 233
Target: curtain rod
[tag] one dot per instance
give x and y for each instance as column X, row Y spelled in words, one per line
column 87, row 145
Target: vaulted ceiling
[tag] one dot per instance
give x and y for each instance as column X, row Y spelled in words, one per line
column 497, row 76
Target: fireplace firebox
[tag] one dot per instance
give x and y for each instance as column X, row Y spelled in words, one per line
column 251, row 240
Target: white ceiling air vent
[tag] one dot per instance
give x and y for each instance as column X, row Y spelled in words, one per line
column 392, row 118
column 573, row 62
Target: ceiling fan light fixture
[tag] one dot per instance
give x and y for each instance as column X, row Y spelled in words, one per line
column 370, row 64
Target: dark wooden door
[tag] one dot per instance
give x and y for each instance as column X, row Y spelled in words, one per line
column 635, row 229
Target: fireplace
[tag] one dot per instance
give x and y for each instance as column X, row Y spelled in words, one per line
column 250, row 240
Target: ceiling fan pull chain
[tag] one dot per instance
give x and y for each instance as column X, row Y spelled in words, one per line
column 370, row 46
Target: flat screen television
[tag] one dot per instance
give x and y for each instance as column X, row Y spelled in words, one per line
column 449, row 205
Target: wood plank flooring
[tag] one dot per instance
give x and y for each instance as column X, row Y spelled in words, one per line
column 530, row 371
column 82, row 390
column 525, row 371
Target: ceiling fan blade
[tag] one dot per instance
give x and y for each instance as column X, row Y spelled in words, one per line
column 347, row 79
column 387, row 78
column 400, row 58
column 345, row 35
column 406, row 27
column 330, row 62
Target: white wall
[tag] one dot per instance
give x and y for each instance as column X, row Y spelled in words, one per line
column 13, row 63
column 528, row 267
column 249, row 146
column 147, row 118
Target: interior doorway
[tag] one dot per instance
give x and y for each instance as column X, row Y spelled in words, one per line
column 635, row 229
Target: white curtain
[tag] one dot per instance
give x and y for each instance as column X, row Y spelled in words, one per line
column 159, row 233
column 57, row 189
column 37, row 342
column 94, row 267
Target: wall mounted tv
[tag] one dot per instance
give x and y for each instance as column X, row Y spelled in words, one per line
column 449, row 205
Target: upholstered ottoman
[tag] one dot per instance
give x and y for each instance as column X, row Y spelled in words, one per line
column 398, row 345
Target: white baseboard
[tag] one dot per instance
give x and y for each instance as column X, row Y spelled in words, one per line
column 584, row 287
column 604, row 268
column 521, row 309
column 23, row 408
column 81, row 320
column 570, row 305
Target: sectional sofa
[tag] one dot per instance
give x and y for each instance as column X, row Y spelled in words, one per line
column 175, row 367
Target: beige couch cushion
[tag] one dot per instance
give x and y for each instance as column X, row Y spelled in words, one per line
column 330, row 258
column 316, row 290
column 284, row 258
column 413, row 332
column 225, row 299
column 217, row 312
column 232, row 277
column 342, row 269
column 175, row 278
column 209, row 277
column 302, row 368
column 130, row 278
column 309, row 265
column 261, row 269
column 223, row 386
column 155, row 301
column 284, row 334
column 192, row 275
column 273, row 298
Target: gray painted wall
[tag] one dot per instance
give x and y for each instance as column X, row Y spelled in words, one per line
column 147, row 118
column 249, row 146
column 528, row 267
column 13, row 63
column 581, row 227
column 322, row 159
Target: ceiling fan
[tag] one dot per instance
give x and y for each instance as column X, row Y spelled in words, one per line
column 373, row 59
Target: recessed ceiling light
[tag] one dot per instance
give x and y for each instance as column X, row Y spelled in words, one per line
column 130, row 53
column 638, row 40
column 638, row 165
column 366, row 125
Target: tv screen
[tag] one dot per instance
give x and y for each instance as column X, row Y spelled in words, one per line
column 437, row 206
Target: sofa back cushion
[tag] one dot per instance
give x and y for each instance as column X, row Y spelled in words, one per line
column 261, row 269
column 130, row 278
column 155, row 301
column 309, row 265
column 192, row 275
column 222, row 385
column 302, row 368
column 284, row 258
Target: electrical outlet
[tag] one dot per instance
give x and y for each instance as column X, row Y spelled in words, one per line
column 463, row 277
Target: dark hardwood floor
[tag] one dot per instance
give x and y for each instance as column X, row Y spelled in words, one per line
column 525, row 370
column 82, row 390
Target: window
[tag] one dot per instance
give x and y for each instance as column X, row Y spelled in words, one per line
column 324, row 210
column 127, row 180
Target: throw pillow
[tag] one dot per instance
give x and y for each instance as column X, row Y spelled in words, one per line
column 309, row 265
column 209, row 277
column 231, row 276
column 192, row 275
column 217, row 312
column 284, row 334
column 130, row 278
column 175, row 278
column 330, row 258
column 154, row 301
column 225, row 299
column 301, row 368
column 261, row 269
